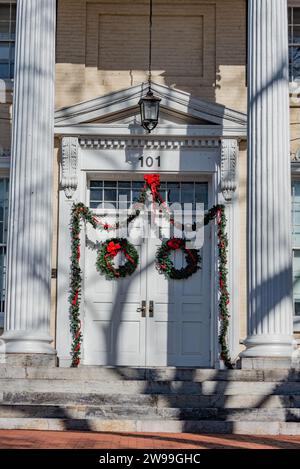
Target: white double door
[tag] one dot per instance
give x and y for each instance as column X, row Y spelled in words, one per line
column 146, row 319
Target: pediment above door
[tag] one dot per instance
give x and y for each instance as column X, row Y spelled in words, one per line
column 180, row 114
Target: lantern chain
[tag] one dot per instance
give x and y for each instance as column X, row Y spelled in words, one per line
column 150, row 45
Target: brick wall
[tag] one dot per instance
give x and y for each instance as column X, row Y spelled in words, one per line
column 198, row 46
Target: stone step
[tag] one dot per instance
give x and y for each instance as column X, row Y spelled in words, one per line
column 153, row 400
column 117, row 412
column 148, row 374
column 150, row 387
column 156, row 426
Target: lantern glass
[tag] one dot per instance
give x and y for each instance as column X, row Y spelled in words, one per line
column 149, row 108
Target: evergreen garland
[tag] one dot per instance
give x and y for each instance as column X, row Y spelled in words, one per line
column 165, row 265
column 81, row 212
column 108, row 250
column 218, row 212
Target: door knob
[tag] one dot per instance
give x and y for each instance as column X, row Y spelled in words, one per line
column 151, row 309
column 142, row 309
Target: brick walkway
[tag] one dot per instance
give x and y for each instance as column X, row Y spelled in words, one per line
column 30, row 439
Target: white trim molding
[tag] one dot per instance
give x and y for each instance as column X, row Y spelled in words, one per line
column 147, row 143
column 102, row 115
column 229, row 153
column 69, row 160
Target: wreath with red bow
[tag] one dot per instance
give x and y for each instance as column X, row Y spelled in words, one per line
column 165, row 265
column 108, row 251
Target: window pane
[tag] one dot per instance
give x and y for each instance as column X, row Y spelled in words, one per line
column 201, row 194
column 124, row 184
column 12, row 51
column 4, row 50
column 296, row 188
column 137, row 185
column 296, row 16
column 124, row 193
column 110, row 194
column 135, row 195
column 96, row 204
column 110, row 184
column 4, row 30
column 297, row 308
column 173, row 192
column 5, row 11
column 4, row 71
column 187, row 192
column 12, row 30
column 296, row 35
column 296, row 216
column 96, row 184
column 295, row 61
column 96, row 194
column 3, row 237
column 290, row 34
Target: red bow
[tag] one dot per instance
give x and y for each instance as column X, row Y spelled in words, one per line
column 113, row 248
column 153, row 181
column 175, row 243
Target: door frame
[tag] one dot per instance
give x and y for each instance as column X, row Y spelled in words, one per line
column 85, row 178
column 212, row 160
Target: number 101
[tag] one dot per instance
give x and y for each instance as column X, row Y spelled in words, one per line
column 149, row 161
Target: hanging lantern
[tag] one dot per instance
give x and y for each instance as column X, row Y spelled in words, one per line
column 149, row 109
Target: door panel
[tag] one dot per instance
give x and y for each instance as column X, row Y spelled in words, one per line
column 115, row 332
column 180, row 324
column 114, row 329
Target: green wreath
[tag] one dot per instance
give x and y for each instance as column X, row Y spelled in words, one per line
column 165, row 266
column 108, row 251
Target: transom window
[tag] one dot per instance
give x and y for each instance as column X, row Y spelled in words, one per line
column 102, row 192
column 7, row 39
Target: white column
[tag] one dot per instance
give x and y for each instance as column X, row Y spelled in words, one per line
column 269, row 185
column 30, row 227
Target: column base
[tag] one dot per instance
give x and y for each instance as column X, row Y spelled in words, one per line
column 265, row 363
column 32, row 360
column 268, row 352
column 26, row 342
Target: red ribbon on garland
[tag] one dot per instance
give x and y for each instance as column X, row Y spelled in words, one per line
column 175, row 243
column 113, row 248
column 153, row 181
column 75, row 299
column 129, row 258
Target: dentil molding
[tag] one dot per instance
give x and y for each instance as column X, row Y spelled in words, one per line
column 164, row 143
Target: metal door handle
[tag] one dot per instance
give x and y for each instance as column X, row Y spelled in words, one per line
column 151, row 309
column 142, row 309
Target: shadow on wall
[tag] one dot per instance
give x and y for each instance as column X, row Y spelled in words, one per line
column 189, row 49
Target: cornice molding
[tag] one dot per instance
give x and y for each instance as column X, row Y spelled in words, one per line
column 145, row 143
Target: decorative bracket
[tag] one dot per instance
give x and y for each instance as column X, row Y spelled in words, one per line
column 69, row 159
column 229, row 153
